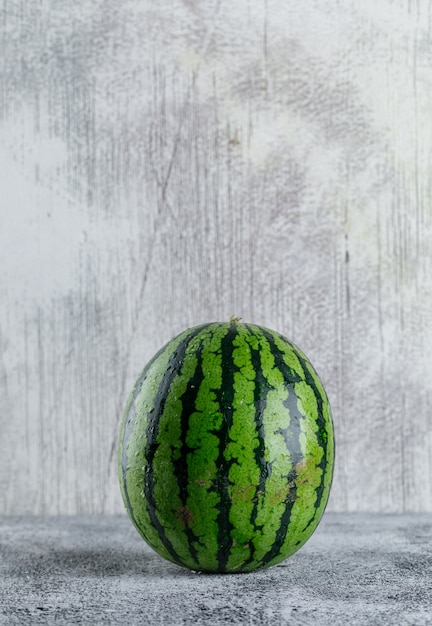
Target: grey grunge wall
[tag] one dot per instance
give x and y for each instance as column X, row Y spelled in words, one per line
column 163, row 165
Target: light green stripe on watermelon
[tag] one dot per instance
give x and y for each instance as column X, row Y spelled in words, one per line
column 136, row 447
column 202, row 469
column 275, row 416
column 244, row 473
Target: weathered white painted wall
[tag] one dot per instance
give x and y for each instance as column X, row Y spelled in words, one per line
column 162, row 166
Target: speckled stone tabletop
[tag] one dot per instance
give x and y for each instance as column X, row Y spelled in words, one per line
column 356, row 569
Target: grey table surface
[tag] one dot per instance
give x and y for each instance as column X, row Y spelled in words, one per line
column 356, row 569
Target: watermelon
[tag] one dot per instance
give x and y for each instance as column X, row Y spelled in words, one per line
column 226, row 449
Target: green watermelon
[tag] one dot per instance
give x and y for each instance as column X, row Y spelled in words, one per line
column 226, row 449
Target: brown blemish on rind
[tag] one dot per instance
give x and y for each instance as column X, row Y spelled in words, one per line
column 242, row 493
column 280, row 495
column 184, row 514
column 206, row 480
column 304, row 470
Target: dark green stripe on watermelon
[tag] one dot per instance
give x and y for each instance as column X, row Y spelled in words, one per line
column 180, row 463
column 225, row 397
column 260, row 399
